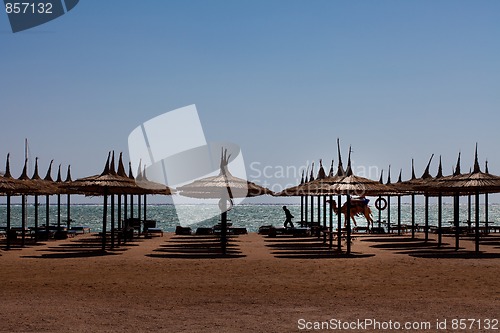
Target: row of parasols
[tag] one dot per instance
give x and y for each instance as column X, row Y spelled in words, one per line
column 115, row 181
column 112, row 181
column 344, row 182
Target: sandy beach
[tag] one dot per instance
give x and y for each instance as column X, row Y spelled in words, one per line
column 174, row 284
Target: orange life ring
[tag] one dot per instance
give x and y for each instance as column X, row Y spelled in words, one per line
column 381, row 204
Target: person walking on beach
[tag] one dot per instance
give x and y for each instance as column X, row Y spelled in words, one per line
column 288, row 217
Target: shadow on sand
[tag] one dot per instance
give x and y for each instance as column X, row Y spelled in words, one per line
column 419, row 248
column 90, row 246
column 197, row 247
column 449, row 253
column 307, row 248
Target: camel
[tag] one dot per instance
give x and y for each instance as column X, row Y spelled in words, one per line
column 358, row 207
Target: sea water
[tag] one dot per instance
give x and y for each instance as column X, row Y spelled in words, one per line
column 250, row 216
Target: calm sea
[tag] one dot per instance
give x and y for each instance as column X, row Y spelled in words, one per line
column 250, row 216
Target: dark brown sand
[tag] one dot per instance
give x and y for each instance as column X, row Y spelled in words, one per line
column 175, row 284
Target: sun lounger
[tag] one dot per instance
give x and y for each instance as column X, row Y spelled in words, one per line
column 80, row 229
column 204, row 231
column 264, row 229
column 153, row 231
column 240, row 231
column 299, row 232
column 182, row 230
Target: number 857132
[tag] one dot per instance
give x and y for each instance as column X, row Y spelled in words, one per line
column 28, row 8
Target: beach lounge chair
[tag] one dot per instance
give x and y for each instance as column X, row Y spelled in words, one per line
column 204, row 231
column 182, row 230
column 150, row 228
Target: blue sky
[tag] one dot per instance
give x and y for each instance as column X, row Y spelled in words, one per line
column 283, row 79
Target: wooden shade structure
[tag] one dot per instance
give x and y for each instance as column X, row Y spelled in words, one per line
column 352, row 184
column 10, row 186
column 37, row 186
column 476, row 183
column 107, row 183
column 322, row 186
column 225, row 187
column 411, row 187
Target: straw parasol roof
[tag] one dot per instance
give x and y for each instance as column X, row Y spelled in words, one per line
column 415, row 184
column 36, row 185
column 108, row 182
column 222, row 185
column 465, row 184
column 320, row 186
column 144, row 185
column 66, row 186
column 352, row 184
column 8, row 184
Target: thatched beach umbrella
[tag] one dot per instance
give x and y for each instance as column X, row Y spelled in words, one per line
column 475, row 183
column 149, row 187
column 104, row 184
column 10, row 186
column 411, row 186
column 389, row 183
column 37, row 186
column 323, row 187
column 66, row 189
column 352, row 184
column 225, row 187
column 430, row 188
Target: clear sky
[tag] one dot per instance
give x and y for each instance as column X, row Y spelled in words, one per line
column 283, row 79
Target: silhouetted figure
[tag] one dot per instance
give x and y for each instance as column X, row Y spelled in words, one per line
column 288, row 217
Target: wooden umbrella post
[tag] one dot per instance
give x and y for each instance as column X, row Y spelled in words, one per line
column 348, row 223
column 426, row 231
column 477, row 222
column 469, row 212
column 145, row 208
column 379, row 215
column 324, row 211
column 440, row 219
column 319, row 212
column 112, row 221
column 58, row 211
column 456, row 221
column 68, row 210
column 331, row 225
column 23, row 221
column 104, row 220
column 125, row 208
column 302, row 211
column 412, row 215
column 8, row 222
column 36, row 218
column 306, row 206
column 139, row 212
column 312, row 211
column 339, row 223
column 119, row 219
column 486, row 222
column 399, row 215
column 47, row 214
column 223, row 220
column 388, row 214
column 131, row 206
